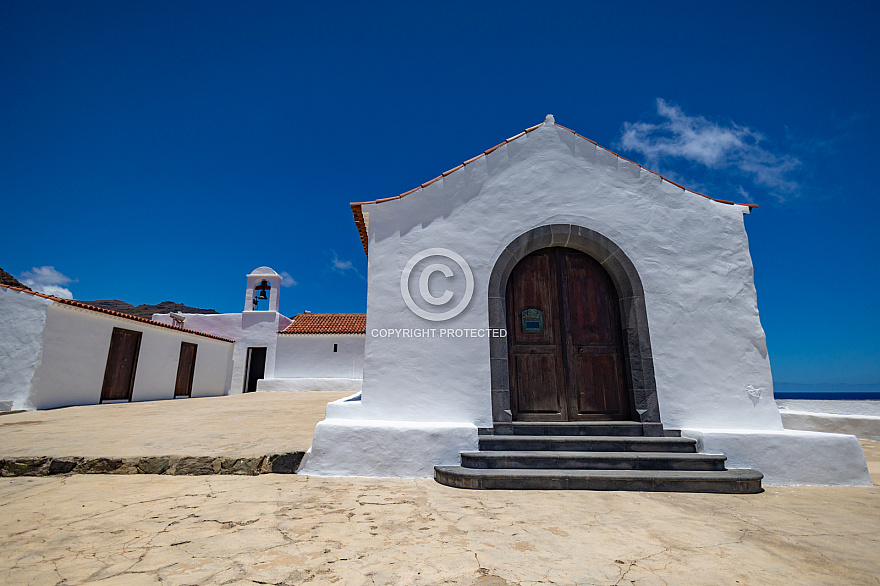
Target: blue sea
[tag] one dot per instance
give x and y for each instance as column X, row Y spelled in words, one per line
column 830, row 391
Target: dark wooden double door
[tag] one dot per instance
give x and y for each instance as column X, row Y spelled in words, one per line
column 565, row 341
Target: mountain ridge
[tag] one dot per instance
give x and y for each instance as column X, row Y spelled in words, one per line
column 146, row 310
column 7, row 279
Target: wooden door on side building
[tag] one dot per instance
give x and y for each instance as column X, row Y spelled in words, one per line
column 121, row 366
column 565, row 342
column 186, row 370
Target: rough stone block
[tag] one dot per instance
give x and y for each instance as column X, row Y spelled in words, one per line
column 62, row 466
column 285, row 463
column 154, row 465
column 99, row 466
column 195, row 466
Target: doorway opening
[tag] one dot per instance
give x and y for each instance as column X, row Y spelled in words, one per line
column 255, row 368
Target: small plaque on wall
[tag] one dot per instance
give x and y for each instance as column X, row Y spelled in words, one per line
column 532, row 321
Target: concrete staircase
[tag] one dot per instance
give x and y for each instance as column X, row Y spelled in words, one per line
column 593, row 456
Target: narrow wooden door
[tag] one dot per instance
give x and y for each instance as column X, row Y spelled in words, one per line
column 186, row 370
column 537, row 380
column 565, row 342
column 121, row 365
column 256, row 368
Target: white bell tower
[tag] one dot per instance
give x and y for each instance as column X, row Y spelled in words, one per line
column 263, row 290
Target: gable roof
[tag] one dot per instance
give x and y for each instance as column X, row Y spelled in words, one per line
column 362, row 221
column 114, row 313
column 327, row 323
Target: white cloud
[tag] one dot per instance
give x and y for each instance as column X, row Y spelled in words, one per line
column 341, row 265
column 47, row 280
column 337, row 265
column 56, row 290
column 715, row 146
column 287, row 280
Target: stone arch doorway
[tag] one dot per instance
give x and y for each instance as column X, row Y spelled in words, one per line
column 638, row 368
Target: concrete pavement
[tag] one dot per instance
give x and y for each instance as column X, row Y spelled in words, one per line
column 291, row 529
column 252, row 424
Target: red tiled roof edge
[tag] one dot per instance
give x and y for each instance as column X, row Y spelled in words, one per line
column 359, row 215
column 116, row 313
column 327, row 323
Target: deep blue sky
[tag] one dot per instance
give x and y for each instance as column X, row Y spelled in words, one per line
column 161, row 150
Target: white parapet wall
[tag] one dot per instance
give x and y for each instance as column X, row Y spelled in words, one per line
column 320, row 356
column 310, row 384
column 789, row 457
column 862, row 426
column 398, row 449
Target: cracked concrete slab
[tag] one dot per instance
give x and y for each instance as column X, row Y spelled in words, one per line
column 274, row 529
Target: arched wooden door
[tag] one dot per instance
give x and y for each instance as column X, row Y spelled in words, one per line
column 565, row 342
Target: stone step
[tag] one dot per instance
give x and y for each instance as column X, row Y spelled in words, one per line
column 616, row 428
column 737, row 481
column 519, row 443
column 592, row 460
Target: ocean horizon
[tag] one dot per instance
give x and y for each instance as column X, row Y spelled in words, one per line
column 783, row 390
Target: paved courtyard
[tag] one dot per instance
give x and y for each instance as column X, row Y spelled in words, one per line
column 289, row 529
column 251, row 424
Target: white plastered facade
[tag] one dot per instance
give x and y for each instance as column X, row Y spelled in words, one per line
column 67, row 348
column 294, row 362
column 317, row 362
column 249, row 329
column 709, row 354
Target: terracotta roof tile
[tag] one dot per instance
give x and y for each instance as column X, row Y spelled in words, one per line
column 116, row 313
column 327, row 323
column 359, row 216
column 469, row 161
column 453, row 170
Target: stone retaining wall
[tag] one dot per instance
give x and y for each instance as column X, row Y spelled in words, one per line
column 170, row 465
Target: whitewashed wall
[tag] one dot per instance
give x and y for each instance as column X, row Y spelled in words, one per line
column 22, row 317
column 691, row 253
column 248, row 329
column 312, row 356
column 75, row 346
